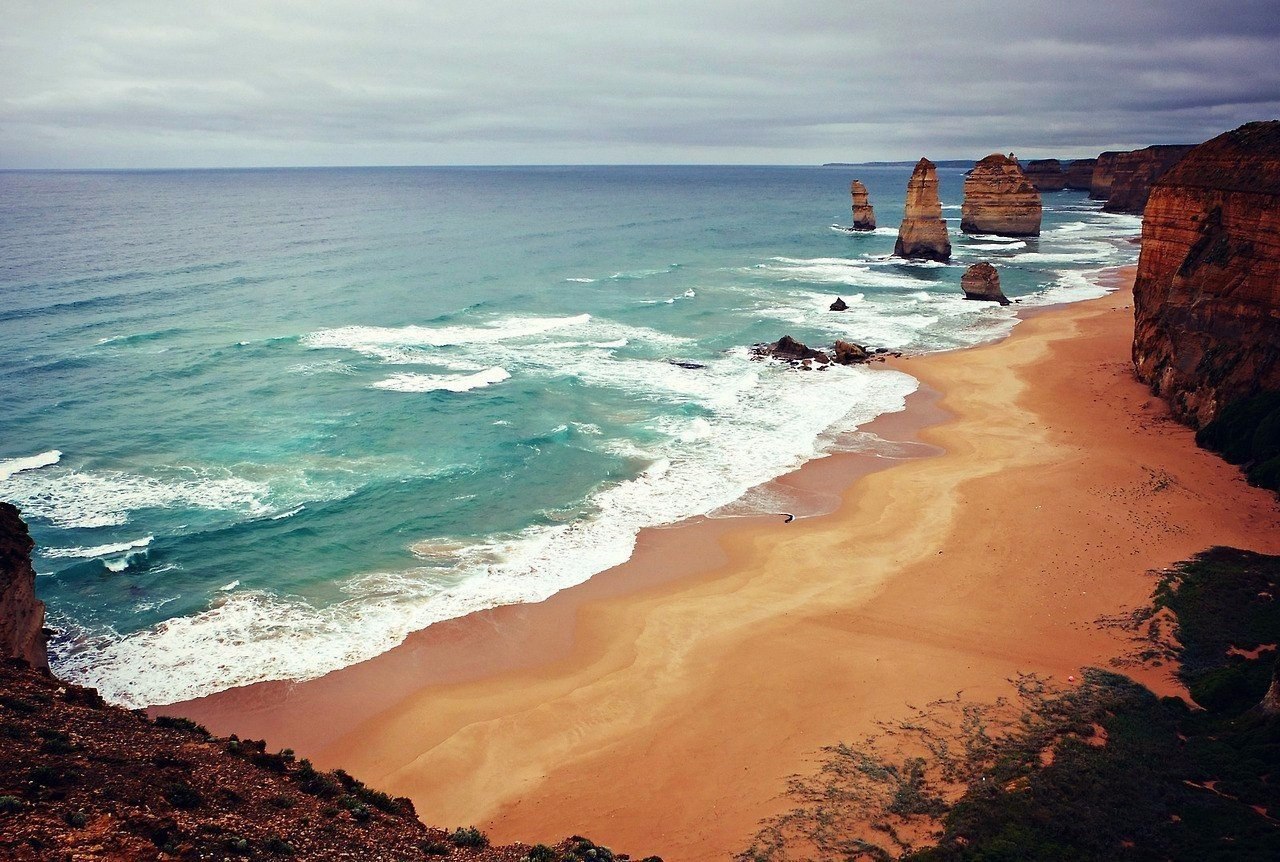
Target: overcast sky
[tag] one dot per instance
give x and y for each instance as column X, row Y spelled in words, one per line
column 117, row 83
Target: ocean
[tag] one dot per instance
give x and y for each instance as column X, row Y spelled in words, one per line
column 265, row 423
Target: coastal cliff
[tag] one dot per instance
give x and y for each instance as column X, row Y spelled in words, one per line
column 923, row 233
column 864, row 215
column 1100, row 183
column 22, row 632
column 1079, row 174
column 1134, row 173
column 1207, row 295
column 998, row 199
column 1046, row 175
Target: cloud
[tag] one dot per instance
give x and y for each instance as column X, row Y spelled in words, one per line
column 556, row 81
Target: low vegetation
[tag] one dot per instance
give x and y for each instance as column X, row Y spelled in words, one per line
column 1247, row 432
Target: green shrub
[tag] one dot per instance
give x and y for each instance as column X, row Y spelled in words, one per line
column 179, row 723
column 434, row 848
column 277, row 845
column 469, row 837
column 541, row 853
column 182, row 795
column 75, row 819
column 11, row 805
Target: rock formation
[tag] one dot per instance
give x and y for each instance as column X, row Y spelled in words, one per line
column 923, row 233
column 1207, row 295
column 1133, row 174
column 998, row 199
column 848, row 353
column 1079, row 174
column 22, row 632
column 1046, row 175
column 864, row 215
column 1100, row 185
column 839, row 305
column 981, row 281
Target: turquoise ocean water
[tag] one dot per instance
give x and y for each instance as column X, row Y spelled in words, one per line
column 264, row 423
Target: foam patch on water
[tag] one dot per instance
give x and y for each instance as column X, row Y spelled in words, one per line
column 443, row 383
column 376, row 340
column 98, row 550
column 11, row 467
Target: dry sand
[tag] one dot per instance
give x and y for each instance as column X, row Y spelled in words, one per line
column 659, row 707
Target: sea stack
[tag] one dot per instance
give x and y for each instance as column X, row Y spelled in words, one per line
column 864, row 215
column 1046, row 175
column 22, row 633
column 1100, row 184
column 1207, row 294
column 981, row 281
column 1079, row 174
column 923, row 233
column 1134, row 173
column 998, row 199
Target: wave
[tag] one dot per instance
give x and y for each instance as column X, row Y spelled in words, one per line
column 14, row 466
column 443, row 382
column 98, row 550
column 383, row 341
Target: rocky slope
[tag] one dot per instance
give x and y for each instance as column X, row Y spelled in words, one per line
column 864, row 215
column 1046, row 175
column 998, row 199
column 1133, row 174
column 81, row 779
column 1079, row 174
column 21, row 613
column 923, row 233
column 1207, row 295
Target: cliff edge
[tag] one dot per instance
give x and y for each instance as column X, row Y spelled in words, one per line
column 22, row 633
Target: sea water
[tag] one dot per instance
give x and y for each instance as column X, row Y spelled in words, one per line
column 265, row 423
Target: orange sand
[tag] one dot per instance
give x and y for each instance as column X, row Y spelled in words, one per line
column 662, row 714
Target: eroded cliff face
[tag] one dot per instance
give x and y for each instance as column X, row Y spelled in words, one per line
column 1046, row 175
column 1134, row 173
column 1100, row 183
column 982, row 282
column 998, row 199
column 1207, row 295
column 21, row 613
column 1079, row 174
column 864, row 215
column 923, row 233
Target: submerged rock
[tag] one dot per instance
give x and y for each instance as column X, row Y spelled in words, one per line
column 923, row 233
column 839, row 305
column 982, row 281
column 684, row 363
column 864, row 215
column 998, row 199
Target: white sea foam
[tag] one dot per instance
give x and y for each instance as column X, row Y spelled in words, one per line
column 582, row 280
column 98, row 550
column 377, row 340
column 443, row 382
column 13, row 466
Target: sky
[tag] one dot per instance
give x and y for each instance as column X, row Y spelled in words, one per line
column 125, row 84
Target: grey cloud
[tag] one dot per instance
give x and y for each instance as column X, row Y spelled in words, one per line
column 393, row 81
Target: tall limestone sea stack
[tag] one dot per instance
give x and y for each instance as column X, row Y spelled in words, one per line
column 864, row 215
column 999, row 199
column 22, row 632
column 923, row 233
column 1207, row 294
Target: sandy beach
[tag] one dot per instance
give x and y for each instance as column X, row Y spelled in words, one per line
column 660, row 707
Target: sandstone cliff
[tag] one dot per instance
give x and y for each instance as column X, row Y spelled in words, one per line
column 1134, row 173
column 981, row 281
column 1207, row 295
column 1046, row 175
column 864, row 215
column 998, row 199
column 923, row 233
column 1100, row 184
column 1079, row 174
column 21, row 613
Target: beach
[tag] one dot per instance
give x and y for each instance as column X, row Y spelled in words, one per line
column 660, row 707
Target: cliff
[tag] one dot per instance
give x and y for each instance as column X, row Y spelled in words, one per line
column 1100, row 184
column 1046, row 175
column 998, row 199
column 1079, row 174
column 21, row 613
column 864, row 215
column 1134, row 173
column 1207, row 294
column 923, row 233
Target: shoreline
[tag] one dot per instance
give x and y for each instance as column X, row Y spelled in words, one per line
column 665, row 713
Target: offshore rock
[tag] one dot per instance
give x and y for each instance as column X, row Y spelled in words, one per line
column 1133, row 174
column 788, row 349
column 1100, row 184
column 998, row 199
column 1207, row 293
column 923, row 233
column 1079, row 174
column 1046, row 175
column 839, row 305
column 864, row 215
column 981, row 281
column 22, row 633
